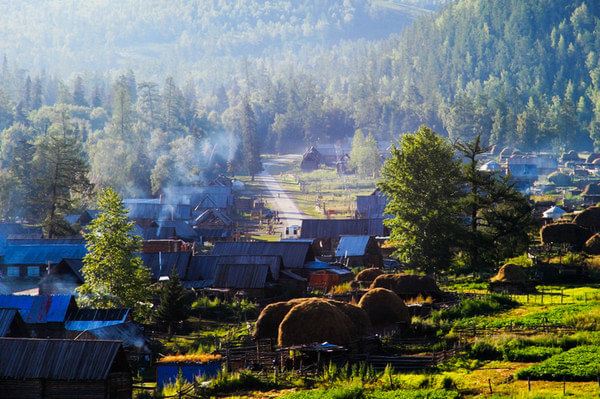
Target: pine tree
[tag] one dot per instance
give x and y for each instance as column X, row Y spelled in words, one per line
column 123, row 115
column 174, row 305
column 59, row 174
column 114, row 276
column 79, row 92
column 250, row 148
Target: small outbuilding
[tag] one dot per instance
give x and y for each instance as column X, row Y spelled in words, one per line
column 63, row 369
column 553, row 213
column 359, row 251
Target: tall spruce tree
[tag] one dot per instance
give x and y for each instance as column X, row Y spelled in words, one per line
column 114, row 276
column 250, row 147
column 59, row 173
column 174, row 305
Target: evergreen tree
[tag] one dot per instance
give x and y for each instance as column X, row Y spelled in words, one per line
column 499, row 216
column 174, row 306
column 79, row 92
column 59, row 174
column 37, row 95
column 114, row 276
column 250, row 147
column 123, row 116
column 423, row 184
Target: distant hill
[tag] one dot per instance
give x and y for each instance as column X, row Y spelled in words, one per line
column 524, row 73
column 157, row 35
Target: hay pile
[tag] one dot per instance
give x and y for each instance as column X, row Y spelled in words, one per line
column 350, row 322
column 511, row 273
column 565, row 233
column 589, row 218
column 315, row 320
column 368, row 275
column 267, row 325
column 592, row 246
column 408, row 285
column 384, row 307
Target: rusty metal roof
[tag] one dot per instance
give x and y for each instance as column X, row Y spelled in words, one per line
column 56, row 359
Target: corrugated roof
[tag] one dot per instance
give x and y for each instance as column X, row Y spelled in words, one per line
column 213, row 215
column 130, row 334
column 274, row 262
column 56, row 359
column 87, row 319
column 352, row 246
column 154, row 210
column 7, row 317
column 162, row 263
column 39, row 308
column 208, row 233
column 175, row 229
column 202, row 267
column 334, row 228
column 293, row 253
column 241, row 276
column 371, row 206
column 42, row 254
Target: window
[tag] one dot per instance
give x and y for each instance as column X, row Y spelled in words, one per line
column 33, row 271
column 12, row 271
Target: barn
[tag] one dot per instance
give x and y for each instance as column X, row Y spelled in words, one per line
column 63, row 369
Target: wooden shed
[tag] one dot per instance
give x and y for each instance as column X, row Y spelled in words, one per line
column 65, row 369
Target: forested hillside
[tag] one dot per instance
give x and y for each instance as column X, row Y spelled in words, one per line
column 154, row 36
column 269, row 77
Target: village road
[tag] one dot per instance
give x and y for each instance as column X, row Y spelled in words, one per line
column 278, row 200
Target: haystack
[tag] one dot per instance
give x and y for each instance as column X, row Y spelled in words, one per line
column 511, row 273
column 315, row 320
column 384, row 307
column 361, row 324
column 589, row 218
column 592, row 246
column 565, row 233
column 368, row 275
column 408, row 285
column 267, row 325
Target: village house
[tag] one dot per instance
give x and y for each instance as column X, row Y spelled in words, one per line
column 359, row 251
column 62, row 369
column 326, row 233
column 371, row 206
column 12, row 324
column 591, row 194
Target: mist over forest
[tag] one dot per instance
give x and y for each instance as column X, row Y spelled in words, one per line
column 162, row 93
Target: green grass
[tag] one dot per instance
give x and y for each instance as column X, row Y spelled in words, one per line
column 578, row 364
column 475, row 306
column 583, row 316
column 361, row 393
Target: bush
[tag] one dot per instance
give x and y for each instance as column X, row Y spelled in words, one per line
column 484, row 351
column 226, row 382
column 475, row 307
column 217, row 309
column 531, row 353
column 578, row 364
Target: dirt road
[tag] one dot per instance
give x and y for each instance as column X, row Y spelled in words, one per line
column 278, row 199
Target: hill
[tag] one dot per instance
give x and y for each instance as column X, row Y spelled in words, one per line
column 519, row 72
column 154, row 36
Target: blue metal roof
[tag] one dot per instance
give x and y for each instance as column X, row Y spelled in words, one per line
column 39, row 308
column 352, row 246
column 317, row 265
column 42, row 254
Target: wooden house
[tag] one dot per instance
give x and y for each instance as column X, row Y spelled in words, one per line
column 63, row 369
column 214, row 225
column 591, row 194
column 29, row 259
column 326, row 233
column 12, row 324
column 62, row 278
column 311, row 160
column 371, row 206
column 359, row 251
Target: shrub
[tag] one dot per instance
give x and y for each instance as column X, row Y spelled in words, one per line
column 484, row 351
column 226, row 382
column 530, row 353
column 217, row 309
column 475, row 307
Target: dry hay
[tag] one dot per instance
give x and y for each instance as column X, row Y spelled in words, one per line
column 511, row 273
column 384, row 307
column 267, row 324
column 565, row 233
column 589, row 218
column 360, row 320
column 408, row 285
column 368, row 275
column 315, row 320
column 592, row 246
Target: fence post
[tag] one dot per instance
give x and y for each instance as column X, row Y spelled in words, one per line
column 562, row 295
column 564, row 386
column 529, row 384
column 490, row 385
